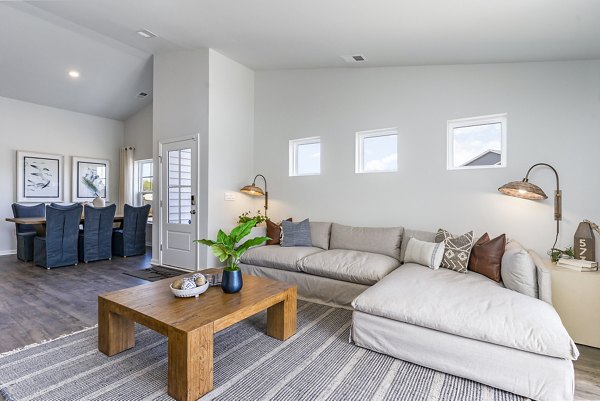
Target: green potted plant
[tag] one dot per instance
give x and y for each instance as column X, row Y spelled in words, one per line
column 246, row 216
column 226, row 249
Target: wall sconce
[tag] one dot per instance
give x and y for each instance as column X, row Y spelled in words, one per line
column 255, row 190
column 526, row 190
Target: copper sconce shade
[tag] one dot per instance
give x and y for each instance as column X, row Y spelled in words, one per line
column 523, row 189
column 252, row 190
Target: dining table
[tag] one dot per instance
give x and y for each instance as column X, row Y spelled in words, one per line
column 39, row 223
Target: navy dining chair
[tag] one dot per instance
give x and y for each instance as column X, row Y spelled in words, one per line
column 130, row 239
column 26, row 232
column 59, row 246
column 95, row 240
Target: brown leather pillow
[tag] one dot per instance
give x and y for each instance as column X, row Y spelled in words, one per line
column 486, row 256
column 274, row 232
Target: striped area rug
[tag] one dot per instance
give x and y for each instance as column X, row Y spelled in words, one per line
column 317, row 363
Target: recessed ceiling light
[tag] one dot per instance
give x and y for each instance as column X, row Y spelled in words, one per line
column 74, row 74
column 146, row 33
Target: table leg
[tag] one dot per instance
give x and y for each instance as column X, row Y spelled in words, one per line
column 281, row 317
column 115, row 332
column 190, row 363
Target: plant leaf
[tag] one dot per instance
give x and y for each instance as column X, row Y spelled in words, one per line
column 222, row 238
column 206, row 242
column 241, row 231
column 220, row 252
column 250, row 243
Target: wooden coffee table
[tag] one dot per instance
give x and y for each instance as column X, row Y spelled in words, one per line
column 190, row 324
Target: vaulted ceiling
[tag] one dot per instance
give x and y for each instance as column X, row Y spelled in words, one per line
column 41, row 40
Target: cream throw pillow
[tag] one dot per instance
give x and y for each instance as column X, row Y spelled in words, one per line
column 428, row 254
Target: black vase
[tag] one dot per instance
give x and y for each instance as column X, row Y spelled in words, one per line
column 232, row 281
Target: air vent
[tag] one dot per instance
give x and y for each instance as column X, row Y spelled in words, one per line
column 146, row 33
column 142, row 95
column 355, row 58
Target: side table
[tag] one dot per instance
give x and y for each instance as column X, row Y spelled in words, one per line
column 576, row 298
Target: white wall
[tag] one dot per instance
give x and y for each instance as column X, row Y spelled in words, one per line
column 138, row 133
column 553, row 116
column 202, row 91
column 181, row 109
column 231, row 137
column 31, row 127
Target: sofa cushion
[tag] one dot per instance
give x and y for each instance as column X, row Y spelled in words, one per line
column 426, row 236
column 385, row 241
column 468, row 305
column 519, row 272
column 320, row 233
column 424, row 253
column 295, row 234
column 277, row 257
column 353, row 266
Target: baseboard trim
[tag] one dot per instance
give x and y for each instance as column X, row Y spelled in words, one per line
column 154, row 262
column 9, row 252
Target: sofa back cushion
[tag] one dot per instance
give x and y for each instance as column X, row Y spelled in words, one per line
column 320, row 233
column 426, row 236
column 382, row 240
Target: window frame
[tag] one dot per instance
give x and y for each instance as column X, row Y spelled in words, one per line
column 139, row 181
column 360, row 136
column 451, row 125
column 293, row 154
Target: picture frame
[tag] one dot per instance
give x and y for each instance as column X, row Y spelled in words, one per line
column 40, row 177
column 91, row 178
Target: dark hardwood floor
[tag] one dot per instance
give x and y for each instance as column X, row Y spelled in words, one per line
column 38, row 304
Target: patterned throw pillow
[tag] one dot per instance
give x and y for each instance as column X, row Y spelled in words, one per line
column 457, row 250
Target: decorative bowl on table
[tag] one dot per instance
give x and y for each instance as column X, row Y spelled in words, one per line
column 189, row 286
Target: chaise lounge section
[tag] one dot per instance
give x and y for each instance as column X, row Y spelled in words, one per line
column 463, row 324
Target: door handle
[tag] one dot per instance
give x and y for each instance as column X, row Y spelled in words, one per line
column 192, row 211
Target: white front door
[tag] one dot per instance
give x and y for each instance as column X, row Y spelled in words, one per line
column 178, row 200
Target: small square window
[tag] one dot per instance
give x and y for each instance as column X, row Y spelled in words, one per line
column 477, row 142
column 377, row 151
column 305, row 156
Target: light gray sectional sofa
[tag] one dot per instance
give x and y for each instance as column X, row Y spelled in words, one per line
column 463, row 324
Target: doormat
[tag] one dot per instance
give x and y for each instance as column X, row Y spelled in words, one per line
column 155, row 273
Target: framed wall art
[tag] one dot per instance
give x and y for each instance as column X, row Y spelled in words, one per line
column 90, row 179
column 39, row 177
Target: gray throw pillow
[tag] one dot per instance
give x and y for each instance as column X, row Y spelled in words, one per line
column 457, row 250
column 518, row 271
column 295, row 234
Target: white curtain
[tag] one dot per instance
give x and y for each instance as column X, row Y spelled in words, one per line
column 125, row 178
